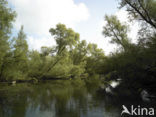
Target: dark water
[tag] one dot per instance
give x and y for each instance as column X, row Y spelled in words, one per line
column 57, row 99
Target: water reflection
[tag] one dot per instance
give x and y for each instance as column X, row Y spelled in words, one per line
column 56, row 99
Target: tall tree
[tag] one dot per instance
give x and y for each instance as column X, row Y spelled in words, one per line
column 141, row 10
column 21, row 52
column 65, row 37
column 7, row 16
column 117, row 31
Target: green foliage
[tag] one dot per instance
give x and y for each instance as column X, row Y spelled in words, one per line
column 135, row 66
column 20, row 53
column 70, row 58
column 117, row 31
column 16, row 60
column 35, row 64
column 93, row 81
column 65, row 60
column 94, row 59
column 141, row 10
column 6, row 19
column 65, row 37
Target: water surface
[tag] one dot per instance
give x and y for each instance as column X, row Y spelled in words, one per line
column 56, row 99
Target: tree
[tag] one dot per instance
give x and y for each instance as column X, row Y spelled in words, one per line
column 141, row 10
column 78, row 57
column 94, row 59
column 35, row 65
column 65, row 37
column 6, row 19
column 45, row 51
column 117, row 31
column 78, row 54
column 135, row 65
column 20, row 53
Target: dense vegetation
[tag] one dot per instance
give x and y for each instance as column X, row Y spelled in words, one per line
column 134, row 64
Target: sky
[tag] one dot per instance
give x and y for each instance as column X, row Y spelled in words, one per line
column 84, row 16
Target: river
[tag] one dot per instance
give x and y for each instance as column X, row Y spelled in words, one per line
column 57, row 99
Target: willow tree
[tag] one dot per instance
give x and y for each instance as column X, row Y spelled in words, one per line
column 64, row 37
column 142, row 11
column 117, row 31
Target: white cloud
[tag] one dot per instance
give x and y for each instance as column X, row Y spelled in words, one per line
column 38, row 16
column 122, row 15
column 36, row 43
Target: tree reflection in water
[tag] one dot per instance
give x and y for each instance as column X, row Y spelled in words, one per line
column 55, row 99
